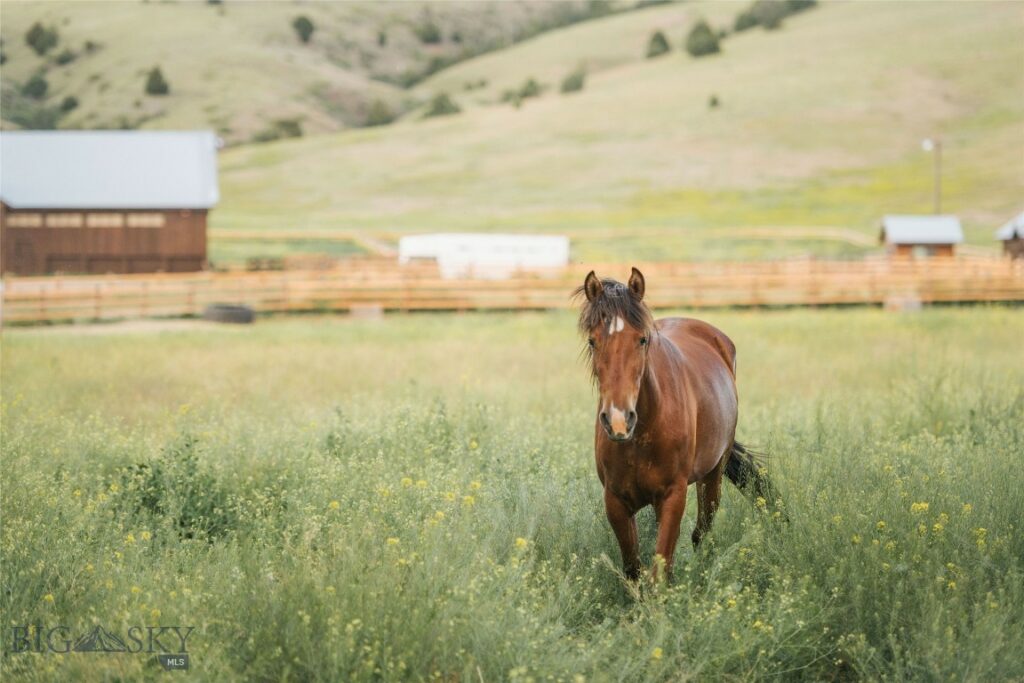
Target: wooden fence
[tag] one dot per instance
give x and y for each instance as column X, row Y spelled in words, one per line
column 379, row 284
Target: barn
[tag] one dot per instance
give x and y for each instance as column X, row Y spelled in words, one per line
column 105, row 201
column 487, row 256
column 921, row 236
column 1012, row 236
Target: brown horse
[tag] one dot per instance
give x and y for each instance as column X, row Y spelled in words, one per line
column 666, row 417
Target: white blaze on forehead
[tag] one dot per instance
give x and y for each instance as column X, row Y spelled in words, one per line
column 616, row 325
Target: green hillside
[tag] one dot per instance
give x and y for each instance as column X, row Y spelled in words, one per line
column 819, row 129
column 239, row 67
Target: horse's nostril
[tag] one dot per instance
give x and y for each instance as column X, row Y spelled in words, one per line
column 631, row 419
column 605, row 422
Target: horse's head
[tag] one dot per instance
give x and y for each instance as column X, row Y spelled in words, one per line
column 618, row 327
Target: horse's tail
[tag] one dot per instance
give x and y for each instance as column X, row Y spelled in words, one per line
column 744, row 469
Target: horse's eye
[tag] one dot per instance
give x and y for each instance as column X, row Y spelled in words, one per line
column 591, row 343
column 643, row 341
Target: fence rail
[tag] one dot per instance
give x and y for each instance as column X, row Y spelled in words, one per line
column 382, row 284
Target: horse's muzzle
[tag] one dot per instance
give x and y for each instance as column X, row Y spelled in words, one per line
column 620, row 426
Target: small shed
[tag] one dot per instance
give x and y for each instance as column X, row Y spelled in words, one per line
column 1012, row 236
column 105, row 201
column 484, row 255
column 924, row 236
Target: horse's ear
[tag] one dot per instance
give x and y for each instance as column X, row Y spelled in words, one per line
column 636, row 284
column 592, row 287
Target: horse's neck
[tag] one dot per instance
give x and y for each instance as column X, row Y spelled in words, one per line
column 649, row 402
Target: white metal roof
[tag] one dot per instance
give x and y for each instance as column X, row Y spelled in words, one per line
column 108, row 169
column 1013, row 228
column 922, row 230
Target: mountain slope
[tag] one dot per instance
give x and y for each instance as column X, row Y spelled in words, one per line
column 238, row 67
column 819, row 124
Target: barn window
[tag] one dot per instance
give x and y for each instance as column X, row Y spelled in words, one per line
column 25, row 220
column 104, row 220
column 63, row 220
column 145, row 220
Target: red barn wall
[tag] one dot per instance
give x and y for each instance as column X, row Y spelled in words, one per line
column 121, row 246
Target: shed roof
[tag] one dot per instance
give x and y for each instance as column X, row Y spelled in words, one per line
column 108, row 169
column 1014, row 228
column 922, row 230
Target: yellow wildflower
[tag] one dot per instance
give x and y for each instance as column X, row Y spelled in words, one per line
column 48, row 598
column 129, row 539
column 334, row 505
column 145, row 535
column 468, row 501
column 392, row 540
column 881, row 525
column 439, row 515
column 136, row 590
column 521, row 543
column 856, row 539
column 967, row 508
column 421, row 483
column 474, row 485
column 154, row 613
column 917, row 508
column 406, row 482
column 656, row 653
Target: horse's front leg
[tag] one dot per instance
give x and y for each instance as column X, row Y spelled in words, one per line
column 624, row 525
column 669, row 511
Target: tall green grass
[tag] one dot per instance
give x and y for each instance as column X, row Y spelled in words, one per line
column 414, row 499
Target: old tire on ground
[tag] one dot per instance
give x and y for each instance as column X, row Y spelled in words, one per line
column 229, row 313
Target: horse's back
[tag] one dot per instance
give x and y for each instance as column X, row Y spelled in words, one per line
column 696, row 336
column 707, row 367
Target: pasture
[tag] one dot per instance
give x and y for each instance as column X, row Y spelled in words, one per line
column 414, row 498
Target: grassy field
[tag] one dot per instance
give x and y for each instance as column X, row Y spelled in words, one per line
column 414, row 499
column 820, row 125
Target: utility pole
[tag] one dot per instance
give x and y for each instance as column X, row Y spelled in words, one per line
column 935, row 145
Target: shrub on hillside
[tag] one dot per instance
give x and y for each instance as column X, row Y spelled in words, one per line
column 744, row 20
column 382, row 38
column 65, row 57
column 657, row 45
column 41, row 38
column 304, row 27
column 770, row 13
column 702, row 40
column 575, row 81
column 3, row 57
column 278, row 130
column 35, row 87
column 380, row 114
column 68, row 103
column 713, row 102
column 441, row 105
column 530, row 89
column 428, row 31
column 156, row 84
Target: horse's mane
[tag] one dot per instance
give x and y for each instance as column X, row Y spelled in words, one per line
column 616, row 300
